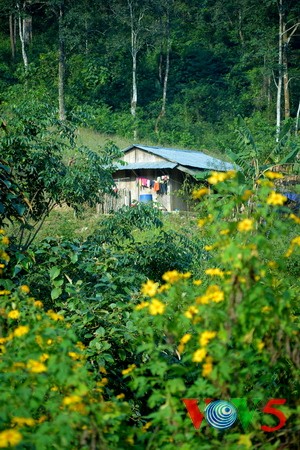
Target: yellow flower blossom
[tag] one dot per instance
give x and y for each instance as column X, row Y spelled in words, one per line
column 2, row 266
column 276, row 199
column 39, row 340
column 75, row 356
column 245, row 225
column 2, row 231
column 80, row 345
column 21, row 330
column 103, row 382
column 71, row 399
column 150, row 288
column 36, row 366
column 5, row 240
column 207, row 367
column 21, row 421
column 103, row 370
column 246, row 195
column 44, row 357
column 266, row 309
column 205, row 337
column 54, row 316
column 10, row 438
column 245, row 440
column 224, row 232
column 215, row 272
column 212, row 294
column 5, row 256
column 146, row 426
column 141, row 305
column 156, row 307
column 265, row 183
column 163, row 288
column 4, row 292
column 18, row 365
column 120, row 396
column 273, row 175
column 201, row 223
column 25, row 289
column 295, row 218
column 199, row 355
column 296, row 241
column 260, row 345
column 172, row 276
column 129, row 369
column 208, row 248
column 38, row 304
column 191, row 312
column 185, row 338
column 198, row 193
column 197, row 282
column 14, row 314
column 218, row 177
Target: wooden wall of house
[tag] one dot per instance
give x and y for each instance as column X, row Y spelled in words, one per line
column 137, row 155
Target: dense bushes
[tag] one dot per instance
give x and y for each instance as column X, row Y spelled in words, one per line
column 217, row 317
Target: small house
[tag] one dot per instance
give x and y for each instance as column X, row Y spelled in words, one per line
column 157, row 174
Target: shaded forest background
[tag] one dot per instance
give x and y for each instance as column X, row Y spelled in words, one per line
column 170, row 72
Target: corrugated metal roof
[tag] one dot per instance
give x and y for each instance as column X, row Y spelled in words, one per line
column 147, row 165
column 188, row 158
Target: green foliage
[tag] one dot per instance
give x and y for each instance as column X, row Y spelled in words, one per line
column 37, row 146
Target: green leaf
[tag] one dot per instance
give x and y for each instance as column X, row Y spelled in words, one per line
column 54, row 272
column 55, row 293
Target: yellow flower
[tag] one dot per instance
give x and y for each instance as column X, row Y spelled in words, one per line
column 296, row 241
column 273, row 175
column 44, row 357
column 266, row 309
column 141, row 305
column 201, row 223
column 14, row 314
column 224, row 232
column 25, row 289
column 21, row 330
column 207, row 367
column 10, row 438
column 246, row 195
column 36, row 366
column 208, row 248
column 245, row 440
column 205, row 337
column 75, row 356
column 149, row 288
column 163, row 288
column 265, row 183
column 172, row 276
column 71, row 399
column 260, row 345
column 103, row 370
column 212, row 294
column 146, row 426
column 197, row 282
column 120, row 396
column 21, row 421
column 39, row 340
column 38, row 304
column 214, row 272
column 276, row 199
column 2, row 266
column 185, row 338
column 2, row 231
column 54, row 316
column 4, row 292
column 294, row 218
column 191, row 312
column 156, row 307
column 217, row 177
column 129, row 369
column 245, row 225
column 81, row 346
column 103, row 382
column 199, row 355
column 18, row 365
column 5, row 240
column 198, row 193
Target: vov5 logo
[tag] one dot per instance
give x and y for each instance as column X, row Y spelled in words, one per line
column 223, row 414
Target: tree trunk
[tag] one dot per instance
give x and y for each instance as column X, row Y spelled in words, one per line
column 61, row 65
column 12, row 35
column 280, row 61
column 22, row 38
column 134, row 51
column 297, row 120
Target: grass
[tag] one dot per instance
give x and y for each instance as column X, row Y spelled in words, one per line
column 97, row 141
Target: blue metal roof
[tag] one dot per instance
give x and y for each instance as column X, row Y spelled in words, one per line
column 189, row 158
column 147, row 165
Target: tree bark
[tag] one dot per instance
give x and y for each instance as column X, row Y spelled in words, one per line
column 297, row 120
column 61, row 65
column 134, row 51
column 22, row 38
